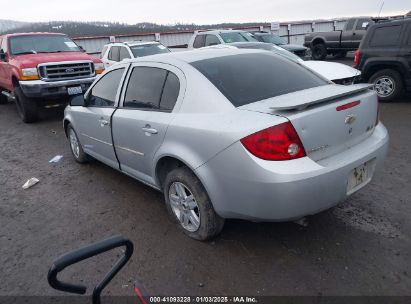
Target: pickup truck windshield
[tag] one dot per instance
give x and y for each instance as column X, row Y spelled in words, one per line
column 248, row 78
column 34, row 44
column 237, row 37
column 273, row 39
column 148, row 49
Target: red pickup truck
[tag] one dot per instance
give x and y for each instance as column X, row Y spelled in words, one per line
column 42, row 70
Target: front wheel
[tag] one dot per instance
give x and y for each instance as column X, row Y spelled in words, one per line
column 387, row 84
column 189, row 205
column 26, row 107
column 75, row 146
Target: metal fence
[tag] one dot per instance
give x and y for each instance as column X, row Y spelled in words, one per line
column 291, row 32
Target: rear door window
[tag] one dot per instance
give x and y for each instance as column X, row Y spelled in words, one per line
column 199, row 41
column 114, row 53
column 248, row 78
column 350, row 25
column 170, row 92
column 386, row 36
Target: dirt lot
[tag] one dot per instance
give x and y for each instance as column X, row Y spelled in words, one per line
column 361, row 247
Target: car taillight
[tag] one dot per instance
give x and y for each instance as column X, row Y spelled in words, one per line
column 279, row 142
column 357, row 58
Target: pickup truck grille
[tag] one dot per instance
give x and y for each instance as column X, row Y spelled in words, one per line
column 66, row 70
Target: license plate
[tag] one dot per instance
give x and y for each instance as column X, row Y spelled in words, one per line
column 358, row 178
column 74, row 90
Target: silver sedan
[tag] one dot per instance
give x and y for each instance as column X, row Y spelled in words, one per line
column 228, row 133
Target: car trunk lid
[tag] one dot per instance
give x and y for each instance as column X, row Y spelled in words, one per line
column 328, row 119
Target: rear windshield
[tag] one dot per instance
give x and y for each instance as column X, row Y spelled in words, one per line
column 247, row 78
column 148, row 49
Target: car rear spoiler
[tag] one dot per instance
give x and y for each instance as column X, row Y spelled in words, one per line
column 302, row 99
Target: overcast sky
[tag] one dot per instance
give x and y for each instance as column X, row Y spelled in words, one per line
column 195, row 11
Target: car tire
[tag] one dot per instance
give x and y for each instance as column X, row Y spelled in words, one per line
column 388, row 84
column 26, row 107
column 319, row 51
column 75, row 146
column 196, row 216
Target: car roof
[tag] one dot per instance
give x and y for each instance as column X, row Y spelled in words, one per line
column 132, row 43
column 220, row 32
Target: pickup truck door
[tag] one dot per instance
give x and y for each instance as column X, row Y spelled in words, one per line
column 93, row 122
column 348, row 36
column 359, row 31
column 140, row 124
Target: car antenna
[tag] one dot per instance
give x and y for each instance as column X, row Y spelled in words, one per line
column 382, row 5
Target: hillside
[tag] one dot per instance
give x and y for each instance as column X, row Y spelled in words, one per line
column 7, row 25
column 78, row 29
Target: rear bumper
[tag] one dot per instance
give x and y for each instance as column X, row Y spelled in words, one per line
column 52, row 89
column 243, row 186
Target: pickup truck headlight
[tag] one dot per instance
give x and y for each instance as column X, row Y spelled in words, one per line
column 99, row 67
column 29, row 74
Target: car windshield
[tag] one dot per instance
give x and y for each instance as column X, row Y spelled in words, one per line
column 148, row 49
column 237, row 37
column 247, row 78
column 34, row 44
column 270, row 47
column 273, row 39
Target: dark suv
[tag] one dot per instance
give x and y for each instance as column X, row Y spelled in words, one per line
column 384, row 58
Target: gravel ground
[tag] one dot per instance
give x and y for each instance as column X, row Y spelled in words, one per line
column 361, row 247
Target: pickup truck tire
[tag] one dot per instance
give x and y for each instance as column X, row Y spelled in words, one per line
column 75, row 146
column 387, row 84
column 319, row 51
column 196, row 216
column 26, row 107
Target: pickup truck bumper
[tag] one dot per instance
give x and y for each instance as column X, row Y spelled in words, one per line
column 53, row 89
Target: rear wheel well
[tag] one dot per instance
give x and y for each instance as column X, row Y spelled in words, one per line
column 318, row 41
column 166, row 165
column 371, row 71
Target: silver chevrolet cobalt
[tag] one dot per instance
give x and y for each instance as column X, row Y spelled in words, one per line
column 228, row 133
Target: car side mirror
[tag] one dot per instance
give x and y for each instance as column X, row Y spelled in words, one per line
column 77, row 101
column 3, row 56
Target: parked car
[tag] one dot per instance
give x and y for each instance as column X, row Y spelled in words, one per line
column 223, row 136
column 209, row 38
column 384, row 57
column 336, row 72
column 42, row 70
column 339, row 42
column 116, row 52
column 266, row 37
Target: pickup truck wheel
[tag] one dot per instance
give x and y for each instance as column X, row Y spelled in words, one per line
column 189, row 205
column 387, row 84
column 75, row 146
column 319, row 51
column 26, row 107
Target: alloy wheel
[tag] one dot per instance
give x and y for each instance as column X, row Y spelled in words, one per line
column 74, row 144
column 184, row 206
column 384, row 86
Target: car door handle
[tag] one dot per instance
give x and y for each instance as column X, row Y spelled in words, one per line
column 103, row 122
column 148, row 129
